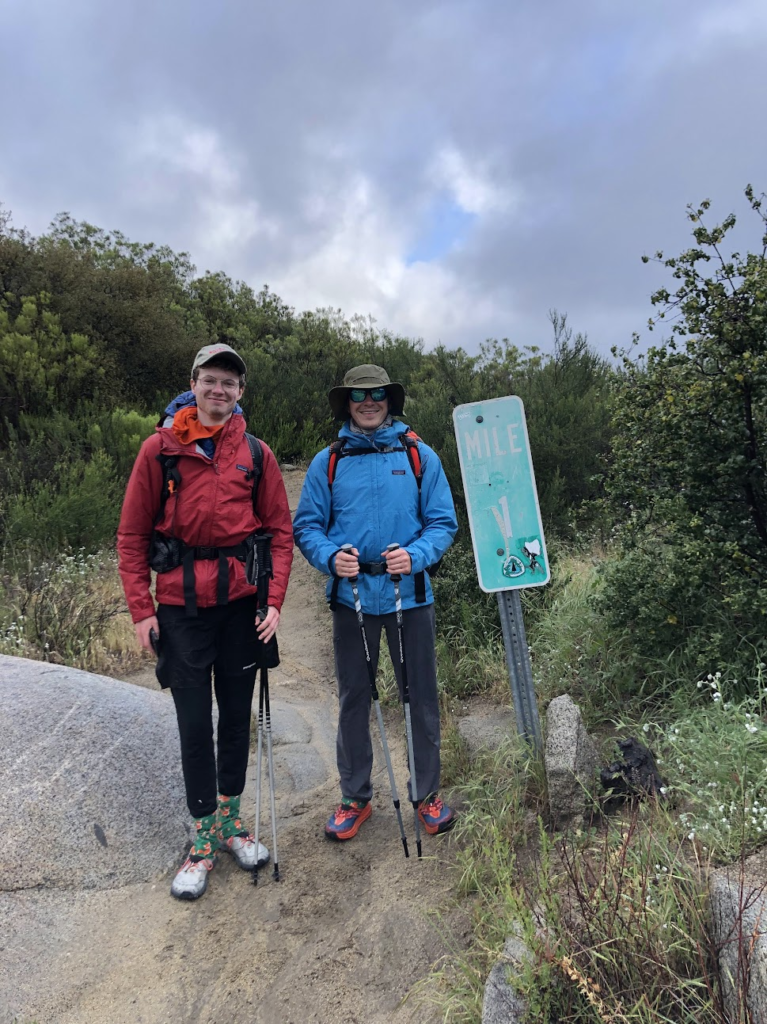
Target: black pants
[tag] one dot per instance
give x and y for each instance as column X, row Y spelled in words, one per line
column 221, row 642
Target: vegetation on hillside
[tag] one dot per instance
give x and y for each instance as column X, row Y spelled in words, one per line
column 653, row 489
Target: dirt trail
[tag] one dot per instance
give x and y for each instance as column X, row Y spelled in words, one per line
column 346, row 935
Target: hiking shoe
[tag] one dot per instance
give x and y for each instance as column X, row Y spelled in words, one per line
column 243, row 849
column 435, row 816
column 191, row 880
column 345, row 821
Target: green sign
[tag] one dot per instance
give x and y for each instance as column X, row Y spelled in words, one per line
column 499, row 484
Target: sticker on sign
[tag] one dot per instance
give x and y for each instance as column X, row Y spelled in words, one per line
column 502, row 502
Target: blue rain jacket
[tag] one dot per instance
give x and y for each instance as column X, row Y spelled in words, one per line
column 375, row 502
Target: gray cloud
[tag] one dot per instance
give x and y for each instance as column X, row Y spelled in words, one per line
column 309, row 146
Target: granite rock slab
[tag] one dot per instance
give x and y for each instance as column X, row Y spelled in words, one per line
column 91, row 772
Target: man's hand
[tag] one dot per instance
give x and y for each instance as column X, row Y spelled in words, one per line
column 398, row 562
column 267, row 627
column 142, row 631
column 347, row 563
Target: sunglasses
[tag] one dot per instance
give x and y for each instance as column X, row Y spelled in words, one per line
column 359, row 394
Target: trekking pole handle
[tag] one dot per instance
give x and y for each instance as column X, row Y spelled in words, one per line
column 395, row 575
column 348, row 550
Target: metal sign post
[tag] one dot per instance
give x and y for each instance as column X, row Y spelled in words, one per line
column 520, row 669
column 506, row 530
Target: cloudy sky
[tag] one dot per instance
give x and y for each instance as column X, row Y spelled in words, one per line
column 454, row 168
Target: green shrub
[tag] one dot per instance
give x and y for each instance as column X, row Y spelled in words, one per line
column 690, row 608
column 78, row 507
column 121, row 432
column 465, row 615
column 573, row 649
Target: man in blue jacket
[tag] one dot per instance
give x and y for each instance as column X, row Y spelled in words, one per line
column 386, row 497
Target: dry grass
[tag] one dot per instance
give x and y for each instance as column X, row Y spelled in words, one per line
column 69, row 611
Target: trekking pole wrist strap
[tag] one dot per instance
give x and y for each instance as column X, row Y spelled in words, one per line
column 332, row 562
column 262, row 545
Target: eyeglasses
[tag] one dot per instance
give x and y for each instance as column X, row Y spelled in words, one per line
column 359, row 394
column 227, row 385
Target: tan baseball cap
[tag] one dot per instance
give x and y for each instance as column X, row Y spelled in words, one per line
column 213, row 351
column 366, row 376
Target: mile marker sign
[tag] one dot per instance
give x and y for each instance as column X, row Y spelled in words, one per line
column 501, row 498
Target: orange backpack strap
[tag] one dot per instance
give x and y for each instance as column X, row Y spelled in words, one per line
column 335, row 449
column 409, row 444
column 410, row 441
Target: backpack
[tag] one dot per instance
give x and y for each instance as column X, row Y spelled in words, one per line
column 410, row 446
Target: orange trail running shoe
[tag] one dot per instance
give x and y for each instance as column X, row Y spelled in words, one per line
column 436, row 817
column 345, row 821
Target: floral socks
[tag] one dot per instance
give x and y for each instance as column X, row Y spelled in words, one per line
column 228, row 818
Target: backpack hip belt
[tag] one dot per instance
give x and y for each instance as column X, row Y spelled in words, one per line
column 379, row 569
column 373, row 568
column 167, row 553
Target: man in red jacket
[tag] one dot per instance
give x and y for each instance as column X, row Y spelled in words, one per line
column 190, row 511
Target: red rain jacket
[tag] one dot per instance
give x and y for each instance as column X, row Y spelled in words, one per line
column 212, row 508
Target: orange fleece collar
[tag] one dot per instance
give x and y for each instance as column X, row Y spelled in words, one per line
column 187, row 427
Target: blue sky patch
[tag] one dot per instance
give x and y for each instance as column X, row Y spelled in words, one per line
column 445, row 225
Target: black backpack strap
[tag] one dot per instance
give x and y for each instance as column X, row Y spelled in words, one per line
column 190, row 593
column 171, row 481
column 333, row 599
column 257, row 454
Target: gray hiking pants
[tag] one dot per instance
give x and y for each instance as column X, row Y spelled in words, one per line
column 354, row 750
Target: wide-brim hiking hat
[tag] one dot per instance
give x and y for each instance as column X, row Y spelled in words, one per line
column 218, row 351
column 366, row 376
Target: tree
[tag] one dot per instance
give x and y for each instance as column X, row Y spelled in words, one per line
column 42, row 367
column 688, row 479
column 129, row 298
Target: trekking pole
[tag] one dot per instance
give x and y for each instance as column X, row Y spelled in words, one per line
column 354, row 580
column 265, row 725
column 395, row 577
column 258, row 776
column 270, row 763
column 262, row 568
